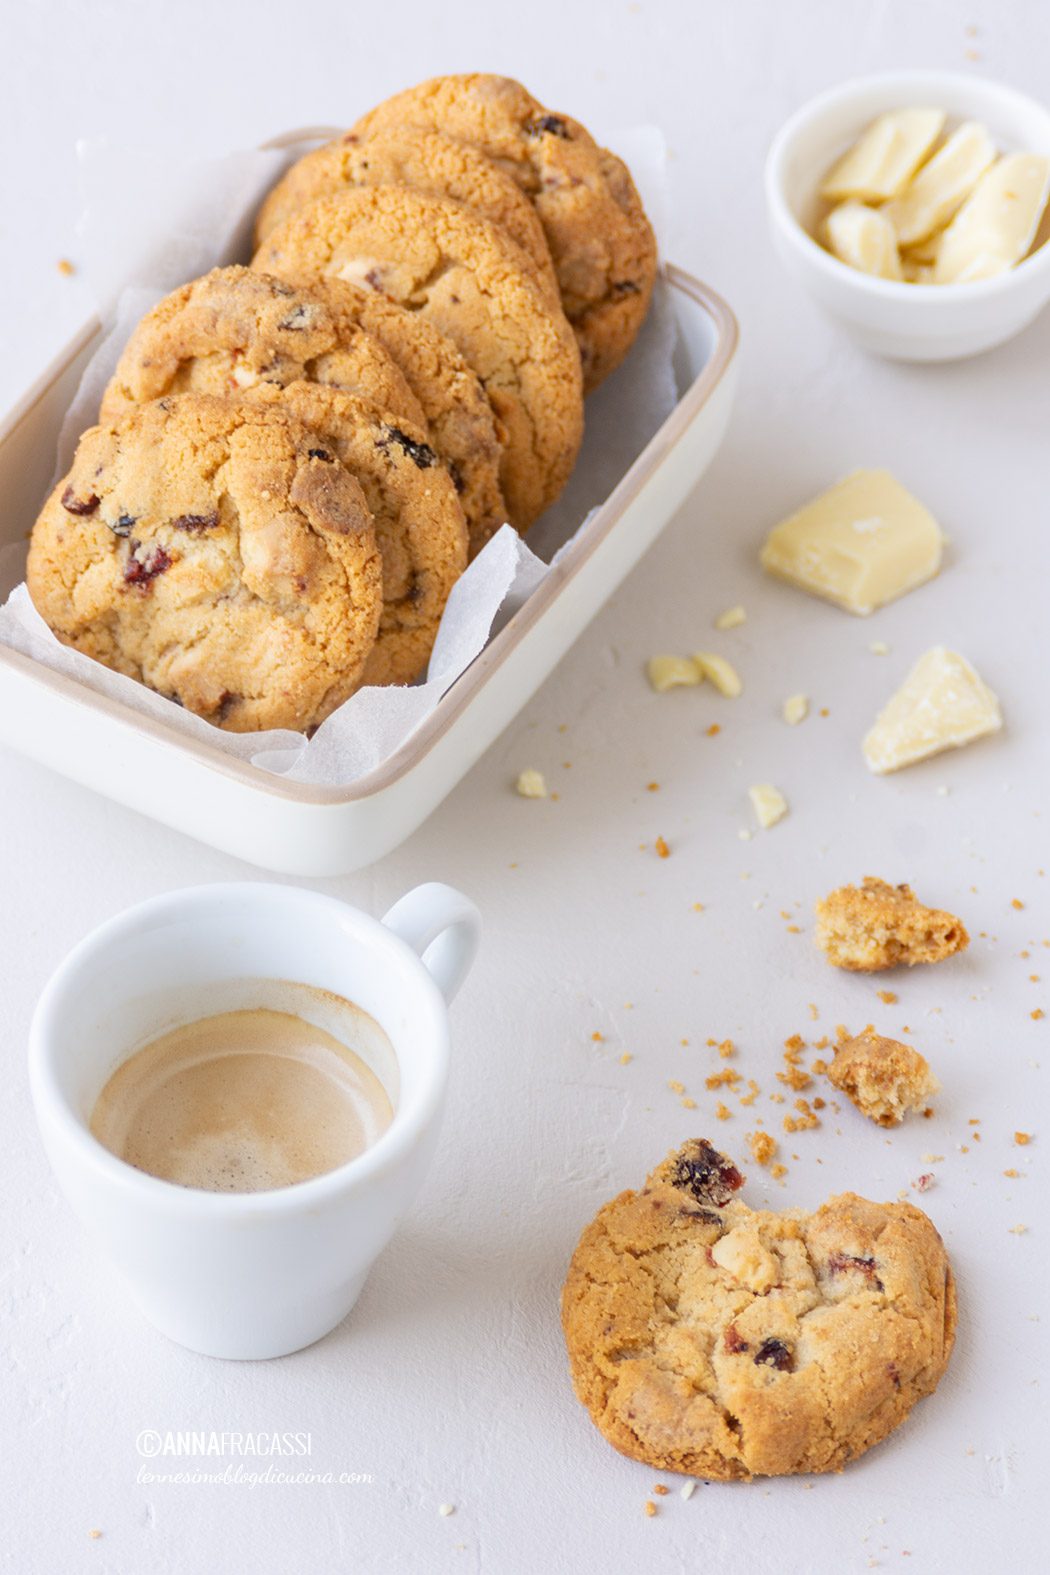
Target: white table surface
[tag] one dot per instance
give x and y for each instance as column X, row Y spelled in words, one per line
column 448, row 1383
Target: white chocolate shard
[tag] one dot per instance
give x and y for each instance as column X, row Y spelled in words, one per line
column 532, row 784
column 721, row 673
column 942, row 704
column 862, row 238
column 861, row 544
column 672, row 672
column 886, row 156
column 999, row 219
column 768, row 803
column 943, row 185
column 731, row 618
column 796, row 709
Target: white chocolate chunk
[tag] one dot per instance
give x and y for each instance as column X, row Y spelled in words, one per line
column 942, row 704
column 943, row 185
column 886, row 156
column 796, row 709
column 999, row 219
column 864, row 239
column 861, row 544
column 722, row 674
column 672, row 672
column 740, row 1253
column 532, row 784
column 731, row 618
column 986, row 265
column 922, row 252
column 768, row 803
column 913, row 272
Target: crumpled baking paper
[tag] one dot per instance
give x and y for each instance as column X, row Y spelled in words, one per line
column 152, row 228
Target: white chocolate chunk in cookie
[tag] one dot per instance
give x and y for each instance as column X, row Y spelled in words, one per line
column 740, row 1253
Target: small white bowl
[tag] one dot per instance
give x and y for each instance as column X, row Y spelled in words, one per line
column 907, row 322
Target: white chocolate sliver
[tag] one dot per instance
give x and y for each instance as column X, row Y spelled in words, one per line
column 864, row 239
column 998, row 219
column 943, row 185
column 886, row 156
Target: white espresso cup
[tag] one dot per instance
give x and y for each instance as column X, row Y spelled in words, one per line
column 261, row 1274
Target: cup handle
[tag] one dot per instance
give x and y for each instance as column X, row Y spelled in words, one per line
column 443, row 927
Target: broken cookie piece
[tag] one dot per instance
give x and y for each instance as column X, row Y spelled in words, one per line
column 883, row 1078
column 727, row 1342
column 875, row 925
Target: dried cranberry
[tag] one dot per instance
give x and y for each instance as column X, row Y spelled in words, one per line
column 774, row 1353
column 420, row 454
column 227, row 701
column 123, row 524
column 195, row 523
column 74, row 505
column 734, row 1341
column 551, row 123
column 374, row 279
column 320, row 453
column 708, row 1216
column 707, row 1175
column 142, row 571
column 456, row 474
column 839, row 1262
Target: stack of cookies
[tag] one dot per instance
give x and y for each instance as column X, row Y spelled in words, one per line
column 295, row 461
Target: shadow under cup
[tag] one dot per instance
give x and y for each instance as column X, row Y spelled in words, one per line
column 241, row 1274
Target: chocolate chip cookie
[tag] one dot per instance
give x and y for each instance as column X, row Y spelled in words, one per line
column 470, row 280
column 427, row 161
column 463, row 428
column 234, row 328
column 218, row 552
column 602, row 243
column 419, row 524
column 710, row 1338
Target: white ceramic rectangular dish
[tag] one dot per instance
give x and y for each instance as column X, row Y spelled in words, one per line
column 297, row 828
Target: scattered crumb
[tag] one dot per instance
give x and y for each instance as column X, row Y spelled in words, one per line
column 721, row 673
column 888, row 997
column 446, row 1509
column 723, row 1112
column 532, row 784
column 599, row 1039
column 744, row 834
column 763, row 1147
column 1014, row 1175
column 879, row 648
column 1015, row 902
column 768, row 803
column 662, row 850
column 726, row 1049
column 752, row 1094
column 875, row 925
column 1022, row 1138
column 652, row 787
column 650, row 1507
column 731, row 618
column 924, row 1182
column 814, row 1014
column 661, row 1489
column 626, row 1058
column 672, row 672
column 1037, row 1014
column 94, row 1533
column 67, row 270
column 776, row 1171
column 688, row 1103
column 793, row 929
column 1018, row 1230
column 714, row 730
column 806, row 1118
column 676, row 1087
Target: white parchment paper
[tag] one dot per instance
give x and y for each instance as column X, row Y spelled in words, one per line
column 152, row 228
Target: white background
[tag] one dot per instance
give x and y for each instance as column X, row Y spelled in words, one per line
column 448, row 1384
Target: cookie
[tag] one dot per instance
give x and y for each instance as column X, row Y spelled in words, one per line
column 419, row 524
column 233, row 328
column 468, row 279
column 462, row 426
column 601, row 242
column 217, row 552
column 431, row 163
column 875, row 925
column 710, row 1338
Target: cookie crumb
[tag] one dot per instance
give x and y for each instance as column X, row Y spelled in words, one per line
column 67, row 270
column 1018, row 1230
column 652, row 787
column 924, row 1182
column 662, row 850
column 1015, row 902
column 1022, row 1138
column 714, row 730
column 661, row 1489
column 722, row 1112
column 888, row 997
column 1014, row 1175
column 1037, row 1014
column 94, row 1533
column 650, row 1507
column 763, row 1147
column 532, row 784
column 626, row 1058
